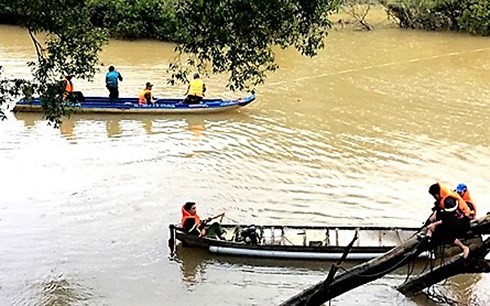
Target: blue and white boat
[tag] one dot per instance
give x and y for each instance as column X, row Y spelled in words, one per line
column 131, row 106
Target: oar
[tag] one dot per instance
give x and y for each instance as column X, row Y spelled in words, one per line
column 210, row 219
column 215, row 217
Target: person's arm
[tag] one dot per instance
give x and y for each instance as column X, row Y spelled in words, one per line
column 433, row 225
column 203, row 88
column 188, row 225
column 432, row 218
column 120, row 76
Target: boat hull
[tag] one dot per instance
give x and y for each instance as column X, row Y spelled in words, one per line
column 302, row 242
column 102, row 105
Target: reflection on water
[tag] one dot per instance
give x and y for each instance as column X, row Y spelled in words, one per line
column 195, row 124
column 115, row 124
column 192, row 263
column 196, row 264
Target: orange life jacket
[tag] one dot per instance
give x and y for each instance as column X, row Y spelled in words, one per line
column 467, row 198
column 143, row 95
column 68, row 86
column 186, row 215
column 445, row 192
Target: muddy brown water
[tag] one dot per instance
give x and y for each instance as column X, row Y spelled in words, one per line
column 353, row 136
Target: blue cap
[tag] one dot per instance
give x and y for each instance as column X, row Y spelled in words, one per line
column 461, row 188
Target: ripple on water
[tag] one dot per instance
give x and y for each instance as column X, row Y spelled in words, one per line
column 57, row 289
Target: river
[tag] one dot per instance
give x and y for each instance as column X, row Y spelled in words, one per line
column 354, row 136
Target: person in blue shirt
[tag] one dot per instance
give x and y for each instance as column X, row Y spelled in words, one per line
column 111, row 82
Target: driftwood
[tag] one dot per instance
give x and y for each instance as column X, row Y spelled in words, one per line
column 475, row 263
column 404, row 253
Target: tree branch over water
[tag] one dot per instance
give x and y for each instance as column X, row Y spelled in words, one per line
column 70, row 46
column 223, row 36
column 237, row 36
column 405, row 253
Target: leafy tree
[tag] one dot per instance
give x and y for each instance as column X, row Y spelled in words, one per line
column 237, row 36
column 66, row 43
column 220, row 36
column 133, row 19
column 472, row 16
column 475, row 17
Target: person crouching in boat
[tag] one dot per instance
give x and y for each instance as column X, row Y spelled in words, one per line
column 195, row 90
column 146, row 95
column 451, row 217
column 193, row 225
column 463, row 192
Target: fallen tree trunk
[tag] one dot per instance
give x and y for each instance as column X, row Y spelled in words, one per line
column 475, row 263
column 374, row 269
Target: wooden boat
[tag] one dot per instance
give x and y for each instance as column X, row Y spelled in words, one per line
column 131, row 106
column 297, row 242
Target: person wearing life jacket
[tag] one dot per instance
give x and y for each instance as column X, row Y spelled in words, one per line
column 195, row 90
column 463, row 192
column 194, row 226
column 451, row 218
column 146, row 95
column 440, row 192
column 191, row 223
column 68, row 87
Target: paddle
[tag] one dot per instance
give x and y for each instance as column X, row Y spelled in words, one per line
column 215, row 217
column 203, row 232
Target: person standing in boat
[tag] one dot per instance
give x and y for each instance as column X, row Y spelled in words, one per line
column 463, row 192
column 193, row 225
column 146, row 95
column 450, row 219
column 111, row 81
column 195, row 90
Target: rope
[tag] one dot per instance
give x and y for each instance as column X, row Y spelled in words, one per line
column 391, row 268
column 410, row 269
column 440, row 298
column 414, row 60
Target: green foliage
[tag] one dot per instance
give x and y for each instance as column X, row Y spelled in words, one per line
column 236, row 36
column 220, row 36
column 475, row 17
column 472, row 16
column 12, row 88
column 7, row 16
column 426, row 14
column 70, row 47
column 133, row 19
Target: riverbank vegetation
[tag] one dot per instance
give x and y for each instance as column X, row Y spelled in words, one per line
column 472, row 16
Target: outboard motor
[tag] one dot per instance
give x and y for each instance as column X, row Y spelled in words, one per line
column 249, row 235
